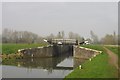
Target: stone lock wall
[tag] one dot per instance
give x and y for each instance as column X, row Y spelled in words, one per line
column 48, row 51
column 38, row 52
column 86, row 53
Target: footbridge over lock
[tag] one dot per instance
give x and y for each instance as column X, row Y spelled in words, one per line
column 62, row 41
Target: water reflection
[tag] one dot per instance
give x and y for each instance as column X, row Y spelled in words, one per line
column 57, row 67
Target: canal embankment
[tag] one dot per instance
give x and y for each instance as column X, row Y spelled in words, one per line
column 96, row 67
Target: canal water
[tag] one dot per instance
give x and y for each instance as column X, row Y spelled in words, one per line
column 57, row 67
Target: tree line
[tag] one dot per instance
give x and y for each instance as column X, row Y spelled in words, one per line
column 108, row 39
column 13, row 36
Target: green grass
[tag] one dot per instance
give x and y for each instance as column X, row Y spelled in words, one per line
column 114, row 49
column 96, row 47
column 13, row 48
column 97, row 68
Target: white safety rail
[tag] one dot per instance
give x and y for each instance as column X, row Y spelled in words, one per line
column 63, row 41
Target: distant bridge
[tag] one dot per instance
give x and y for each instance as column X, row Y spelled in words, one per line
column 62, row 41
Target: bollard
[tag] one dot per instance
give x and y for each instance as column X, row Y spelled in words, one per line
column 80, row 67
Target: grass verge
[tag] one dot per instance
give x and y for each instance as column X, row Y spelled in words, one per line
column 12, row 48
column 97, row 68
column 115, row 49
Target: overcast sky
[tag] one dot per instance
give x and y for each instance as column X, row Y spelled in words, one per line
column 51, row 17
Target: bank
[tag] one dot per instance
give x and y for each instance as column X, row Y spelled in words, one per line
column 97, row 67
column 9, row 50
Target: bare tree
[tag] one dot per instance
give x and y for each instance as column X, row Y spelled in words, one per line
column 94, row 37
column 63, row 34
column 115, row 38
column 51, row 36
column 6, row 35
column 108, row 39
column 118, row 39
column 10, row 36
column 59, row 35
column 71, row 35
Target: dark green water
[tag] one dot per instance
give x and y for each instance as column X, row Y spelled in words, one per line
column 57, row 67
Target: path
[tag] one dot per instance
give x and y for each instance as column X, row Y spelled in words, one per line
column 113, row 58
